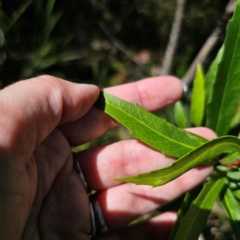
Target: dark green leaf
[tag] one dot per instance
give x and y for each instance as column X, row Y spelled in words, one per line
column 236, row 119
column 172, row 206
column 198, row 98
column 226, row 88
column 232, row 209
column 49, row 8
column 204, row 154
column 196, row 217
column 149, row 128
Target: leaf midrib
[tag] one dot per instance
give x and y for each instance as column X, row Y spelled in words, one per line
column 147, row 126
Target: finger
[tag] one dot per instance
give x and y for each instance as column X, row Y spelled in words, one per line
column 152, row 94
column 127, row 158
column 158, row 227
column 31, row 109
column 124, row 203
column 65, row 210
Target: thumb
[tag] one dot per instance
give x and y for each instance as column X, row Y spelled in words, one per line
column 31, row 109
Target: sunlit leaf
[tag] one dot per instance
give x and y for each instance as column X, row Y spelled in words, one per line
column 194, row 221
column 226, row 88
column 232, row 209
column 149, row 128
column 197, row 110
column 204, row 154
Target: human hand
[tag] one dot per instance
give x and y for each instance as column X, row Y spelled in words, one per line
column 41, row 194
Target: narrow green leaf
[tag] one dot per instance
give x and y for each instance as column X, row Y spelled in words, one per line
column 204, row 154
column 197, row 110
column 17, row 14
column 149, row 128
column 1, row 38
column 232, row 209
column 196, row 217
column 226, row 88
column 51, row 23
column 49, row 8
column 188, row 199
column 180, row 115
column 211, row 74
column 172, row 206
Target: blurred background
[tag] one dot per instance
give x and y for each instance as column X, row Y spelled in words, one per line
column 110, row 43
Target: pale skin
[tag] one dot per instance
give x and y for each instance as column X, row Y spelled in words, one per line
column 41, row 196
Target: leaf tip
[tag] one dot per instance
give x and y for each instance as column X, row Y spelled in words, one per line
column 125, row 180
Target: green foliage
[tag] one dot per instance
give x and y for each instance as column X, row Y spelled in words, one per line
column 205, row 154
column 64, row 39
column 220, row 93
column 231, row 206
column 211, row 75
column 183, row 209
column 180, row 115
column 150, row 129
column 199, row 210
column 8, row 22
column 227, row 84
column 198, row 98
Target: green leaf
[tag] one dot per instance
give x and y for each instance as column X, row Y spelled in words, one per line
column 232, row 209
column 188, row 199
column 234, row 176
column 49, row 8
column 197, row 110
column 230, row 159
column 204, row 154
column 237, row 194
column 149, row 128
column 196, row 217
column 180, row 115
column 16, row 15
column 211, row 74
column 236, row 119
column 226, row 88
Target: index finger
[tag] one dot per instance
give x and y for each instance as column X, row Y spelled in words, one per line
column 151, row 93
